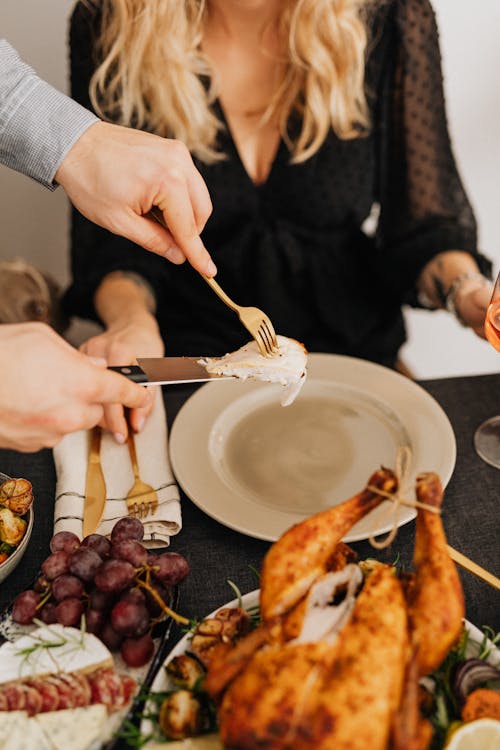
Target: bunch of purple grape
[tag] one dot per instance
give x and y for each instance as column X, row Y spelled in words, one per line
column 117, row 584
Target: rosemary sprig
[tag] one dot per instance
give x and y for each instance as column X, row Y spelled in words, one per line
column 74, row 638
column 236, row 591
column 256, row 572
column 132, row 735
column 490, row 640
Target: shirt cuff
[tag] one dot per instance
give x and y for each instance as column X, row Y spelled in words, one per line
column 38, row 126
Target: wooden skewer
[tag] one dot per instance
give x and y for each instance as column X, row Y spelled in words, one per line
column 474, row 568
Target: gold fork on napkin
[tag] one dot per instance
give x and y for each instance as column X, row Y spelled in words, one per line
column 142, row 499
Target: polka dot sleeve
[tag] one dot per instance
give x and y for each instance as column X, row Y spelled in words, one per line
column 424, row 207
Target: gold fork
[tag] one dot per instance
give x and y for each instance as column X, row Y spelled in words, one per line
column 141, row 498
column 257, row 323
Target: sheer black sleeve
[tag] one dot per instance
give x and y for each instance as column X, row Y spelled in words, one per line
column 424, row 207
column 96, row 252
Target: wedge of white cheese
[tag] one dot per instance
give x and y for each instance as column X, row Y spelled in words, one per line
column 73, row 728
column 8, row 723
column 68, row 729
column 52, row 648
column 27, row 735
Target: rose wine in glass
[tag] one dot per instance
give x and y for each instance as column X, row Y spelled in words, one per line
column 487, row 435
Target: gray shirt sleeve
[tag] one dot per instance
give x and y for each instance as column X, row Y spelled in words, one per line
column 38, row 124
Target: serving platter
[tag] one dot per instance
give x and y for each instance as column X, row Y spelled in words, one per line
column 259, row 468
column 250, row 602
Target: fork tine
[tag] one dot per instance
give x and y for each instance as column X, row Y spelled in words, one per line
column 267, row 341
column 272, row 334
column 268, row 332
column 261, row 343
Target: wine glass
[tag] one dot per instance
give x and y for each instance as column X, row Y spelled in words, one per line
column 487, row 435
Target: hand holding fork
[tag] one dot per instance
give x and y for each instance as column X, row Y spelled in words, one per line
column 255, row 321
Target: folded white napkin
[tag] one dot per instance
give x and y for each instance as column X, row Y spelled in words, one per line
column 70, row 457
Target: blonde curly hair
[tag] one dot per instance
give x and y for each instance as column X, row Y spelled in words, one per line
column 323, row 79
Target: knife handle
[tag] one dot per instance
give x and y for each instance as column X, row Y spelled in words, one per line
column 132, row 372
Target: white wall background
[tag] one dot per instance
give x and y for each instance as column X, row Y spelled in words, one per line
column 34, row 222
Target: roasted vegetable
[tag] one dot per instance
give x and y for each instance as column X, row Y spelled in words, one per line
column 470, row 674
column 12, row 528
column 181, row 715
column 16, row 495
column 227, row 626
column 185, row 671
column 481, row 704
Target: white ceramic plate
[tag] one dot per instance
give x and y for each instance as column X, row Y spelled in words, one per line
column 250, row 602
column 259, row 468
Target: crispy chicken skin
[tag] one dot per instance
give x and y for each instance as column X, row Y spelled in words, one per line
column 323, row 695
column 435, row 600
column 410, row 731
column 302, row 554
column 351, row 707
column 263, row 706
column 228, row 661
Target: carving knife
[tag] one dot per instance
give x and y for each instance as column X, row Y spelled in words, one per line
column 95, row 486
column 168, row 371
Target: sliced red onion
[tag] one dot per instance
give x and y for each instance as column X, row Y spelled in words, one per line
column 470, row 674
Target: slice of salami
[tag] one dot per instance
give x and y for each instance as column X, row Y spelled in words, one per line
column 3, row 702
column 34, row 700
column 115, row 685
column 48, row 693
column 129, row 688
column 16, row 697
column 66, row 697
column 100, row 688
column 78, row 687
column 84, row 683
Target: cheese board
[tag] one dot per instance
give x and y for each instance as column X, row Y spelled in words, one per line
column 80, row 645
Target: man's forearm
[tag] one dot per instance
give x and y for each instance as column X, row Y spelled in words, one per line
column 38, row 124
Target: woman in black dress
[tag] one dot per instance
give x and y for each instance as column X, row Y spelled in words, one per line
column 319, row 127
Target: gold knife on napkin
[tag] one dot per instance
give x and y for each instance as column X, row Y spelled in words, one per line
column 95, row 486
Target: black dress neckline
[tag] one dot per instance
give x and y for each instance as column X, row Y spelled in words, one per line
column 228, row 144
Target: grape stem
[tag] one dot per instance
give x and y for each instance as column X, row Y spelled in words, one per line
column 170, row 612
column 44, row 598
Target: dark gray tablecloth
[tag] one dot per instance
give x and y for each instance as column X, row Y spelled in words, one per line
column 216, row 553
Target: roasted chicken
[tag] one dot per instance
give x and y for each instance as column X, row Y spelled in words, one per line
column 306, row 694
column 435, row 600
column 336, row 659
column 303, row 553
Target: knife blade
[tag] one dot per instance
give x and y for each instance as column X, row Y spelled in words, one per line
column 95, row 486
column 168, row 371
